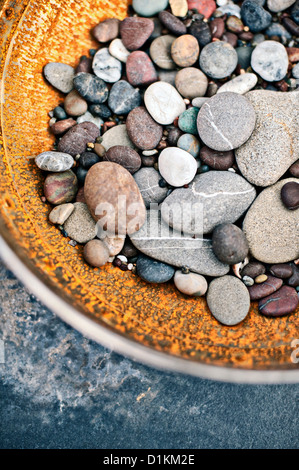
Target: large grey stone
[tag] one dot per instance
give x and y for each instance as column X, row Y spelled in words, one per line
column 212, row 198
column 147, row 180
column 272, row 231
column 274, row 144
column 270, row 60
column 157, row 240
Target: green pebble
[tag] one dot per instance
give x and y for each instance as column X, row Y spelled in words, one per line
column 204, row 169
column 188, row 121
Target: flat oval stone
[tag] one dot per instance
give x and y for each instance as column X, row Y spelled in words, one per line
column 228, row 300
column 106, row 30
column 229, row 243
column 226, row 121
column 147, row 180
column 253, row 269
column 218, row 59
column 270, row 60
column 54, row 161
column 143, row 131
column 135, row 32
column 106, row 67
column 91, row 88
column 179, row 7
column 190, row 144
column 188, row 121
column 254, row 16
column 111, row 204
column 185, row 50
column 259, row 291
column 271, row 229
column 60, row 127
column 146, row 8
column 283, row 271
column 117, row 136
column 123, row 98
column 160, row 52
column 177, row 166
column 153, row 271
column 234, row 24
column 172, row 23
column 191, row 83
column 240, row 84
column 198, row 102
column 191, row 283
column 124, row 156
column 96, row 253
column 290, row 195
column 61, row 213
column 201, row 31
column 140, row 69
column 213, row 198
column 118, row 50
column 217, row 160
column 75, row 140
column 60, row 76
column 60, row 188
column 279, row 5
column 80, row 225
column 282, row 302
column 74, row 104
column 163, row 102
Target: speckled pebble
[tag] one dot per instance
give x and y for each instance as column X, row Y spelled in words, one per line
column 75, row 140
column 54, row 161
column 270, row 60
column 240, row 84
column 191, row 83
column 123, row 98
column 255, row 16
column 160, row 52
column 106, row 67
column 60, row 188
column 172, row 23
column 143, row 131
column 148, row 180
column 80, row 226
column 124, row 156
column 191, row 283
column 91, row 88
column 185, row 50
column 140, row 69
column 218, row 59
column 106, row 30
column 88, row 117
column 117, row 135
column 60, row 76
column 189, row 143
column 135, row 32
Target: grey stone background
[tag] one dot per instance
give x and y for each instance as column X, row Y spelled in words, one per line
column 61, row 390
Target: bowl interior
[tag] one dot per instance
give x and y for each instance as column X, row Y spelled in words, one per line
column 157, row 316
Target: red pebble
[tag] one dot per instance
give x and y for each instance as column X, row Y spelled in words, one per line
column 140, row 69
column 281, row 302
column 205, row 7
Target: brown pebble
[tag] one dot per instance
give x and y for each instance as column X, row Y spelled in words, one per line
column 96, row 253
column 173, row 136
column 246, row 36
column 283, row 271
column 140, row 69
column 294, row 279
column 191, row 82
column 283, row 302
column 80, row 195
column 253, row 269
column 85, row 65
column 106, row 30
column 293, row 54
column 291, row 26
column 294, row 169
column 135, row 32
column 217, row 27
column 99, row 149
column 124, row 156
column 172, row 23
column 60, row 127
column 60, row 188
column 217, row 160
column 290, row 195
column 74, row 104
column 149, row 161
column 259, row 291
column 234, row 24
column 143, row 131
column 185, row 50
column 261, row 278
column 129, row 250
column 76, row 139
column 231, row 38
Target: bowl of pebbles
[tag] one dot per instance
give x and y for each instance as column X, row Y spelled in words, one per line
column 150, row 177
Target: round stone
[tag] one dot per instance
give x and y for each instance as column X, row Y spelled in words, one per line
column 229, row 244
column 254, row 16
column 295, row 71
column 217, row 26
column 160, row 52
column 188, row 121
column 146, row 8
column 74, row 104
column 201, row 31
column 60, row 127
column 189, row 143
column 117, row 135
column 153, row 271
column 100, row 110
column 143, row 131
column 54, row 161
column 135, row 32
column 96, row 253
column 290, row 195
column 163, row 102
column 118, row 50
column 177, row 166
column 140, row 69
column 172, row 23
column 185, row 50
column 106, row 67
column 179, row 7
column 226, row 121
column 282, row 302
column 114, row 199
column 88, row 159
column 123, row 98
column 61, row 213
column 240, row 84
column 228, row 300
column 75, row 140
column 261, row 278
column 191, row 83
column 283, row 271
column 259, row 291
column 279, row 5
column 218, row 59
column 59, row 113
column 148, row 180
column 106, row 30
column 91, row 88
column 190, row 284
column 60, row 76
column 204, row 7
column 253, row 269
column 217, row 160
column 80, row 225
column 270, row 60
column 60, row 188
column 294, row 169
column 114, row 244
column 124, row 156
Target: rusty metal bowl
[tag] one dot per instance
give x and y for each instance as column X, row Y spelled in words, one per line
column 150, row 323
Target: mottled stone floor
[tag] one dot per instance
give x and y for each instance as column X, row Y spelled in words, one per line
column 60, row 390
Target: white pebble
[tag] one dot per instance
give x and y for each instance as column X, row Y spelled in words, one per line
column 240, row 84
column 177, row 166
column 118, row 50
column 106, row 67
column 163, row 102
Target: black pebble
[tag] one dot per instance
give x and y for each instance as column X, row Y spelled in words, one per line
column 201, row 31
column 91, row 88
column 100, row 110
column 60, row 113
column 88, row 159
column 81, row 175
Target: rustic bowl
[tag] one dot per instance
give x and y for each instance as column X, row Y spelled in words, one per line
column 150, row 323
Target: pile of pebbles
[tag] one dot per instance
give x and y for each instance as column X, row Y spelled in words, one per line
column 189, row 112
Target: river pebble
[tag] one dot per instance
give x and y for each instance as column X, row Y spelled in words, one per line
column 191, row 83
column 148, row 180
column 259, row 291
column 163, row 102
column 291, row 26
column 100, row 110
column 60, row 76
column 282, row 302
column 190, row 284
column 124, row 156
column 240, row 84
column 228, row 300
column 294, row 279
column 114, row 244
column 146, row 8
column 290, row 195
column 255, row 16
column 204, row 7
column 117, row 135
column 54, row 161
column 160, row 52
column 118, row 50
column 218, row 59
column 74, row 104
column 185, row 50
column 201, row 31
column 294, row 169
column 153, row 271
column 123, row 98
column 217, row 27
column 270, row 60
column 75, row 140
column 60, row 127
column 295, row 71
column 88, row 117
column 283, row 271
column 106, row 30
column 253, row 269
column 80, row 226
column 177, row 166
column 172, row 23
column 96, row 253
column 188, row 121
column 91, row 88
column 106, row 67
column 189, row 143
column 61, row 213
column 85, row 65
column 217, row 160
column 60, row 188
column 88, row 159
column 279, row 5
column 229, row 243
column 135, row 32
column 199, row 101
column 143, row 131
column 179, row 7
column 140, row 69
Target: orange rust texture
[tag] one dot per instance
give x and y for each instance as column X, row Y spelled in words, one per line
column 157, row 316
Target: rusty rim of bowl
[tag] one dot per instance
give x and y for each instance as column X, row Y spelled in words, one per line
column 33, row 261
